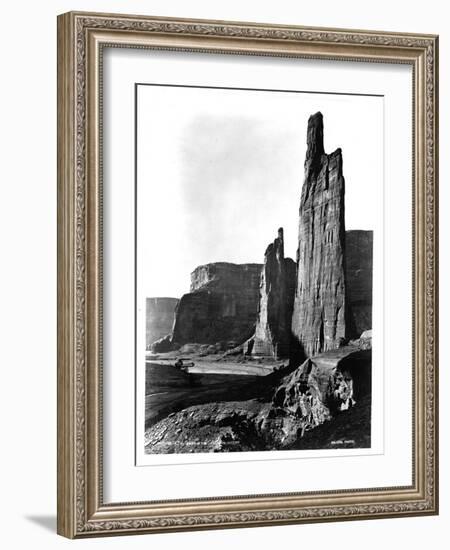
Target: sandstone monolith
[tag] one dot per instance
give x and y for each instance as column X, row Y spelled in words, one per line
column 320, row 316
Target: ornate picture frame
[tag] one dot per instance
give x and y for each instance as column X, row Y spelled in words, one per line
column 82, row 40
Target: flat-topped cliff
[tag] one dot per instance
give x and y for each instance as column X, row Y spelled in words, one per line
column 221, row 307
column 225, row 277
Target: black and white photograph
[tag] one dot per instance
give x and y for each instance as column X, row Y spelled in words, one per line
column 255, row 263
column 222, row 252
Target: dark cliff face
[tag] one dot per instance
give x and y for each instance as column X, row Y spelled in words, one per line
column 276, row 299
column 358, row 269
column 222, row 305
column 320, row 316
column 160, row 315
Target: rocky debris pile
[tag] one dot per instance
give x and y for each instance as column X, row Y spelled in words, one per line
column 320, row 318
column 273, row 336
column 315, row 392
column 326, row 298
column 276, row 299
column 245, row 349
column 300, row 401
column 162, row 345
column 226, row 277
column 214, row 427
column 364, row 342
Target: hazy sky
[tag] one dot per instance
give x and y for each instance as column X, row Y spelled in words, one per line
column 220, row 170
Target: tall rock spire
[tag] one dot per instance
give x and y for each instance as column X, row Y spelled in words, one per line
column 319, row 320
column 273, row 325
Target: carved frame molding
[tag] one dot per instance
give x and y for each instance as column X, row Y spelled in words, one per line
column 81, row 37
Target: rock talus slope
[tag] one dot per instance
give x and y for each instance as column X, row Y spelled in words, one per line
column 307, row 397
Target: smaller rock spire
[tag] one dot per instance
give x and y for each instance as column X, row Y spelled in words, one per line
column 276, row 300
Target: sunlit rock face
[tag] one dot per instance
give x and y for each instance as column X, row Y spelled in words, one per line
column 320, row 316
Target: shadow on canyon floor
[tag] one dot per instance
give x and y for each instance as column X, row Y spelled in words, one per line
column 170, row 390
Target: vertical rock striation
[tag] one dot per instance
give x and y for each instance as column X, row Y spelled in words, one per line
column 319, row 321
column 276, row 295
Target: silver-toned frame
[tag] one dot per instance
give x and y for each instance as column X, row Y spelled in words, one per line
column 81, row 37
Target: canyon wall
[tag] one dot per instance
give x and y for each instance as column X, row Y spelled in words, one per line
column 358, row 270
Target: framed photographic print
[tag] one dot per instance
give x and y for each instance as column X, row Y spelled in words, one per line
column 247, row 276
